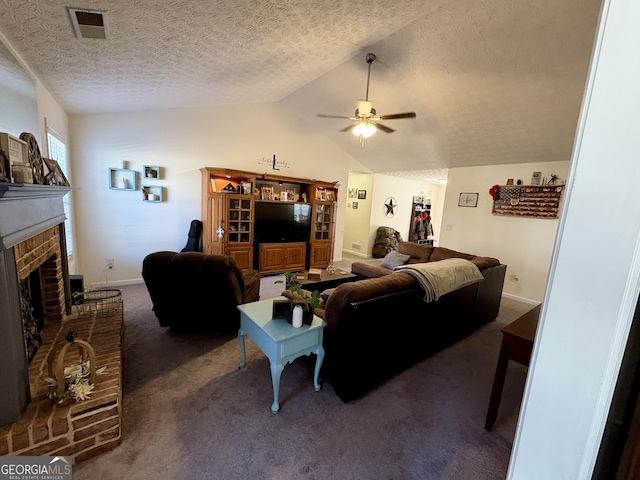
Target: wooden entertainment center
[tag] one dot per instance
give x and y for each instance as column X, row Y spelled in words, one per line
column 229, row 201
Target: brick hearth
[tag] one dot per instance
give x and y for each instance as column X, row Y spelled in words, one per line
column 80, row 429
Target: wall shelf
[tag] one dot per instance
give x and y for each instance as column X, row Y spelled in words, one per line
column 152, row 193
column 151, row 172
column 122, row 179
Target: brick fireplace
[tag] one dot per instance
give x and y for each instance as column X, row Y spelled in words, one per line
column 32, row 238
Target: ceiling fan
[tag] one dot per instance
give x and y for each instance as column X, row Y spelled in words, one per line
column 366, row 119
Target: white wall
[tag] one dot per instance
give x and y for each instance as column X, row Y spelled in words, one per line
column 403, row 190
column 18, row 113
column 57, row 119
column 357, row 221
column 362, row 224
column 525, row 245
column 595, row 282
column 18, row 99
column 117, row 224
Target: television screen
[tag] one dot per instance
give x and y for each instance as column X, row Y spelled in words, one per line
column 282, row 222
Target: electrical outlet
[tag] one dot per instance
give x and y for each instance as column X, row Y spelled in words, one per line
column 448, row 226
column 109, row 265
column 515, row 278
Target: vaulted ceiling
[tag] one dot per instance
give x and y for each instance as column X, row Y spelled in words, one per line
column 491, row 81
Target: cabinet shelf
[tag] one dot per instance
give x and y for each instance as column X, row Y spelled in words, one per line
column 323, row 218
column 240, row 219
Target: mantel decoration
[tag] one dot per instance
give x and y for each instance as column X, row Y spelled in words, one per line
column 21, row 162
column 296, row 296
column 35, row 159
column 76, row 380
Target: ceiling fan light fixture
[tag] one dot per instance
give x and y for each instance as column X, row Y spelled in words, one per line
column 364, row 107
column 364, row 129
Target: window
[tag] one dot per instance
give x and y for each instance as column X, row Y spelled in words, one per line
column 58, row 152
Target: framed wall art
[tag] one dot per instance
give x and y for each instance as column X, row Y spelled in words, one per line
column 468, row 200
column 362, row 194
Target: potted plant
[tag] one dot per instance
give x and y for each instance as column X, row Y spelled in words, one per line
column 298, row 296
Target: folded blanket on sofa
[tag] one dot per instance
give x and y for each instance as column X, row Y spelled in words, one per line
column 444, row 276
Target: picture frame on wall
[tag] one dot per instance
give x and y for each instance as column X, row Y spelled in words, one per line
column 362, row 194
column 353, row 192
column 536, row 178
column 355, row 205
column 468, row 200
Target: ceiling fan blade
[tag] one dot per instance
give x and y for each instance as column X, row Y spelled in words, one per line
column 384, row 128
column 332, row 116
column 393, row 116
column 350, row 127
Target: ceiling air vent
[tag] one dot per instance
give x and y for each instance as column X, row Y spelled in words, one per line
column 87, row 23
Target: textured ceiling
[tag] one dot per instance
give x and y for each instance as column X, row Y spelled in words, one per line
column 492, row 82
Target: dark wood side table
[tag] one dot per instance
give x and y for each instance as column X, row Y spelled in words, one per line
column 517, row 343
column 326, row 280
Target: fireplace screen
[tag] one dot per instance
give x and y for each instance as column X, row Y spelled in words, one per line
column 32, row 313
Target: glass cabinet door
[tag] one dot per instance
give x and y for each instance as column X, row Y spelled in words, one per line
column 323, row 215
column 240, row 222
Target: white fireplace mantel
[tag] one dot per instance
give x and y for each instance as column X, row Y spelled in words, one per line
column 26, row 210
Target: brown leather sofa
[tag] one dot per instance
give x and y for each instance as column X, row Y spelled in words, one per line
column 193, row 290
column 376, row 327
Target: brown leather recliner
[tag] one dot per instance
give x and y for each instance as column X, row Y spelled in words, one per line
column 193, row 290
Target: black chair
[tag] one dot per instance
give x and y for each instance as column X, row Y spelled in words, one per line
column 194, row 242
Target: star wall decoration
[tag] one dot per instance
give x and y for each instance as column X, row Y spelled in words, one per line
column 391, row 206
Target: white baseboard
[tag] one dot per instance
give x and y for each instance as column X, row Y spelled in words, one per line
column 357, row 254
column 520, row 299
column 115, row 283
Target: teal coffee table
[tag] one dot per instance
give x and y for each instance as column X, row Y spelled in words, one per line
column 279, row 341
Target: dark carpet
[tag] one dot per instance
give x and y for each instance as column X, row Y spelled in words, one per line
column 190, row 413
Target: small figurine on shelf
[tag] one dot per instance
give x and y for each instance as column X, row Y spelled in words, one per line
column 304, row 198
column 123, row 183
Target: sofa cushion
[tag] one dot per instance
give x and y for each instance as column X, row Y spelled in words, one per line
column 441, row 253
column 485, row 262
column 370, row 268
column 325, row 294
column 418, row 253
column 363, row 290
column 394, row 259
